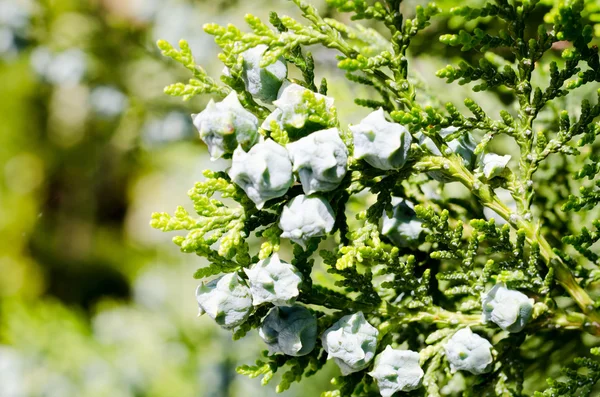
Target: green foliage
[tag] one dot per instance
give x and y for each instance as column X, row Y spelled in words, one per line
column 217, row 222
column 201, row 83
column 581, row 377
column 419, row 294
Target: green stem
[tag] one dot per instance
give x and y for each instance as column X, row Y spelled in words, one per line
column 572, row 321
column 442, row 316
column 435, row 315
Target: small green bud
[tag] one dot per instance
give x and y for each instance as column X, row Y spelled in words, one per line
column 568, row 53
column 449, row 39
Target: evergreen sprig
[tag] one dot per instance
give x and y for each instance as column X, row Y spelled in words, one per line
column 581, row 377
column 201, row 83
column 523, row 276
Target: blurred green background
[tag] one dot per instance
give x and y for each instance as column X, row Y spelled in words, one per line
column 93, row 302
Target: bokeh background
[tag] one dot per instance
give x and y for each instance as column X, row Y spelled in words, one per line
column 93, row 302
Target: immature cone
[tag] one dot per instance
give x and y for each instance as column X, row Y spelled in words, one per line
column 262, row 83
column 305, row 217
column 226, row 300
column 351, row 342
column 467, row 351
column 462, row 146
column 403, row 228
column 382, row 144
column 291, row 330
column 509, row 309
column 397, row 370
column 320, row 160
column 273, row 281
column 264, row 172
column 225, row 125
column 294, row 110
column 493, row 164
